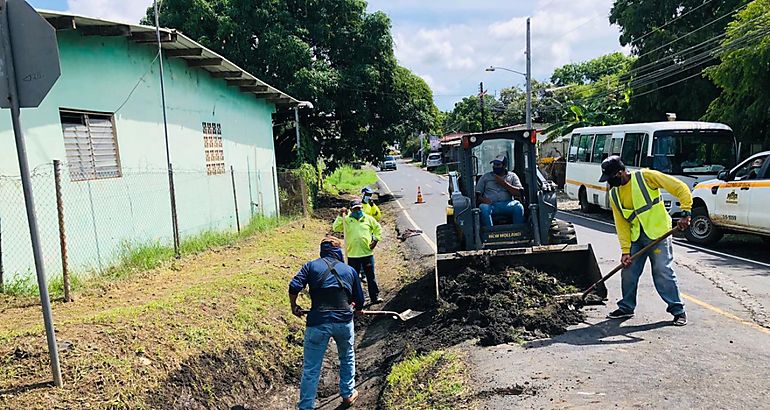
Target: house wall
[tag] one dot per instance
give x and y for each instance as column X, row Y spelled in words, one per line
column 114, row 75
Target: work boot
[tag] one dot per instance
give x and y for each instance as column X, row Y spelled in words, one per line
column 348, row 402
column 619, row 314
column 680, row 319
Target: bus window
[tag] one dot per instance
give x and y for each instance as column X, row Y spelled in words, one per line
column 601, row 148
column 615, row 146
column 645, row 160
column 585, row 148
column 573, row 148
column 631, row 149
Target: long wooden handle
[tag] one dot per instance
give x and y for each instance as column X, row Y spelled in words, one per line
column 379, row 312
column 634, row 256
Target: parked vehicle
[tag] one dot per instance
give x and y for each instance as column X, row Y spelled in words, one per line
column 434, row 161
column 389, row 162
column 737, row 201
column 691, row 151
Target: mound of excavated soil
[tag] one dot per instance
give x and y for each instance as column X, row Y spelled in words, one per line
column 502, row 306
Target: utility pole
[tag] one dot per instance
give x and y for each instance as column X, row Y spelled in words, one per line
column 529, row 80
column 172, row 194
column 481, row 101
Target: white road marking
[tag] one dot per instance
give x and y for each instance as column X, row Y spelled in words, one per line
column 681, row 242
column 411, row 221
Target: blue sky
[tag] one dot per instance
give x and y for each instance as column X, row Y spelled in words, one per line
column 450, row 42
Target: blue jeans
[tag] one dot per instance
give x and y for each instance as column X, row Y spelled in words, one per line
column 513, row 208
column 316, row 341
column 663, row 276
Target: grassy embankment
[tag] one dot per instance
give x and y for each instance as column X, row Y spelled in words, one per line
column 211, row 328
column 435, row 380
column 347, row 180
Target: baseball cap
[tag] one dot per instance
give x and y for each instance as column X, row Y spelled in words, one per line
column 355, row 203
column 367, row 190
column 500, row 158
column 610, row 167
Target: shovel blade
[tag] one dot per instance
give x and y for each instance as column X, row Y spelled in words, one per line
column 409, row 314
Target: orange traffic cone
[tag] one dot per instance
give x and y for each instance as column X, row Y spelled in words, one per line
column 419, row 197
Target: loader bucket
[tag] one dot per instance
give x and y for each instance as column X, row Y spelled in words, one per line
column 573, row 264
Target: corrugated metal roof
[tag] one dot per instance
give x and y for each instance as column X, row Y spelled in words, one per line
column 175, row 45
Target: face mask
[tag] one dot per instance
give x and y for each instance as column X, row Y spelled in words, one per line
column 499, row 171
column 357, row 214
column 615, row 181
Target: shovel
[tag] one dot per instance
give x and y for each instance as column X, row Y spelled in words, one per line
column 643, row 251
column 403, row 316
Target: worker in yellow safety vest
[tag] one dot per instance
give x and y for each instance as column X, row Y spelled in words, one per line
column 362, row 234
column 368, row 205
column 640, row 218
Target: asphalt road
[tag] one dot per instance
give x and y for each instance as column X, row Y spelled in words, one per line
column 719, row 360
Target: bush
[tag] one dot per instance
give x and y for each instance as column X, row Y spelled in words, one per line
column 347, row 180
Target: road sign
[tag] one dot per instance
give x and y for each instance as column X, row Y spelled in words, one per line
column 35, row 55
column 28, row 46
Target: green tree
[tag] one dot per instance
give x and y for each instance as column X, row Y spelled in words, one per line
column 648, row 26
column 330, row 52
column 743, row 75
column 466, row 115
column 591, row 71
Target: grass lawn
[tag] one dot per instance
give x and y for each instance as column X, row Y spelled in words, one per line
column 347, row 180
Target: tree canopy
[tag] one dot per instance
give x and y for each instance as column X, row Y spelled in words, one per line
column 330, row 52
column 671, row 39
column 591, row 71
column 743, row 75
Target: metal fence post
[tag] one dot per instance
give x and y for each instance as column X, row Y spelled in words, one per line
column 303, row 192
column 235, row 200
column 174, row 220
column 275, row 194
column 62, row 236
column 251, row 196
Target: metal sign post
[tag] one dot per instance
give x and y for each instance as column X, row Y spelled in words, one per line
column 29, row 66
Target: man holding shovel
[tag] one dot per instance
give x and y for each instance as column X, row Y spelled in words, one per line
column 335, row 293
column 362, row 233
column 641, row 218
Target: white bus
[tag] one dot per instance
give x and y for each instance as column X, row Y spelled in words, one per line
column 690, row 151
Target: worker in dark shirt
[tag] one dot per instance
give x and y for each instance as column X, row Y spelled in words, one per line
column 335, row 294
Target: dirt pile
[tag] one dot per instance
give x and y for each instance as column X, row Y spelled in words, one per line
column 500, row 307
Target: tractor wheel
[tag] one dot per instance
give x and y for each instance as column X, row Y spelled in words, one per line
column 702, row 230
column 446, row 239
column 562, row 233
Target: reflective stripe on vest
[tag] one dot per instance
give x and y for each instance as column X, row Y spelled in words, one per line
column 649, row 202
column 648, row 213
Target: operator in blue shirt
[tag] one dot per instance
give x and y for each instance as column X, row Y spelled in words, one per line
column 335, row 294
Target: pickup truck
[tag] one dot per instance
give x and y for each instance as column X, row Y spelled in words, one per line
column 737, row 201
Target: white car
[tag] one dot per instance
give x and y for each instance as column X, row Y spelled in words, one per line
column 433, row 161
column 737, row 201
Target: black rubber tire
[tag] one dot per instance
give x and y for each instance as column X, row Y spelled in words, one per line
column 702, row 230
column 446, row 239
column 585, row 206
column 562, row 233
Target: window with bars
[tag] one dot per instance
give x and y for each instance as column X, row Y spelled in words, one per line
column 90, row 144
column 212, row 144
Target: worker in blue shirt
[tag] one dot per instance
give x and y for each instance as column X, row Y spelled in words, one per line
column 335, row 294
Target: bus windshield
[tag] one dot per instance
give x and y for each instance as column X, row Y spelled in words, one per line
column 692, row 152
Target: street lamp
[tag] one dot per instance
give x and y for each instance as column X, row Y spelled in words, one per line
column 527, row 75
column 493, row 68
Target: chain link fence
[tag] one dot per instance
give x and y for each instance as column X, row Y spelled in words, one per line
column 102, row 219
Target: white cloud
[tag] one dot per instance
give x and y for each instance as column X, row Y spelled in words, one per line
column 130, row 11
column 454, row 54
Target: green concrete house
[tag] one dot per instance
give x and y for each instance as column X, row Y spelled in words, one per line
column 103, row 122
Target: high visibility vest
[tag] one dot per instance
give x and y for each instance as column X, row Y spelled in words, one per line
column 649, row 212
